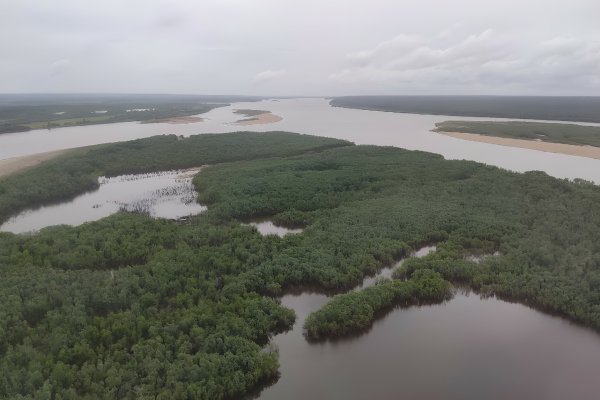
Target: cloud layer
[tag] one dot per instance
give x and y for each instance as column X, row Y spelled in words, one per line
column 301, row 47
column 488, row 61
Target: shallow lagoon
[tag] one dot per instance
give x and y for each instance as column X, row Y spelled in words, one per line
column 168, row 195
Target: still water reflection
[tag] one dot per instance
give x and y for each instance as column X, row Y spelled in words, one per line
column 267, row 227
column 467, row 348
column 161, row 195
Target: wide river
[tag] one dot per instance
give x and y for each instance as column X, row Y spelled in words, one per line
column 315, row 116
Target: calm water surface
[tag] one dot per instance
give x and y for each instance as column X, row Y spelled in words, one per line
column 161, row 195
column 267, row 227
column 317, row 117
column 467, row 348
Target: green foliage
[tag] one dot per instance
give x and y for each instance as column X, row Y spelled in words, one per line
column 130, row 307
column 365, row 206
column 22, row 112
column 160, row 327
column 355, row 311
column 546, row 132
column 77, row 172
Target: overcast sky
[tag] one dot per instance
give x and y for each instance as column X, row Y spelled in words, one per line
column 304, row 47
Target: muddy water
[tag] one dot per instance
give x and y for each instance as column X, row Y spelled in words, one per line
column 466, row 348
column 161, row 195
column 317, row 117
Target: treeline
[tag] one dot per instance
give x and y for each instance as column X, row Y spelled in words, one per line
column 77, row 172
column 354, row 312
column 19, row 117
column 551, row 108
column 580, row 135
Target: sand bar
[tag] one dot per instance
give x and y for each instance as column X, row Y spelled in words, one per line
column 265, row 118
column 16, row 164
column 569, row 149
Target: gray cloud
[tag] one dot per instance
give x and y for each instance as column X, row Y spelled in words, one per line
column 268, row 75
column 301, row 47
column 482, row 60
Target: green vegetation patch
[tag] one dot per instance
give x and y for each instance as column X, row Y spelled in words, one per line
column 354, row 312
column 366, row 206
column 546, row 132
column 76, row 172
column 130, row 307
column 39, row 113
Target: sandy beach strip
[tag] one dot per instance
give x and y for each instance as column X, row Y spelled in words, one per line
column 15, row 164
column 569, row 149
column 264, row 118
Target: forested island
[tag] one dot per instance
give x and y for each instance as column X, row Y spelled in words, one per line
column 133, row 307
column 580, row 135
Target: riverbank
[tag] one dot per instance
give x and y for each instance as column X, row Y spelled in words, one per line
column 568, row 149
column 16, row 164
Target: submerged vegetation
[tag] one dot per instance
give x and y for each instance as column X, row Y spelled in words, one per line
column 78, row 171
column 546, row 132
column 130, row 307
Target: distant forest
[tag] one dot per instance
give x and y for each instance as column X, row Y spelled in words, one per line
column 576, row 109
column 545, row 132
column 19, row 113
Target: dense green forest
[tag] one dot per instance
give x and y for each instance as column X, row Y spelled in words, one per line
column 364, row 206
column 546, row 132
column 130, row 307
column 353, row 312
column 77, row 172
column 22, row 119
column 550, row 108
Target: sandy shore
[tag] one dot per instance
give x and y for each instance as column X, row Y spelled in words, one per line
column 569, row 149
column 15, row 164
column 265, row 118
